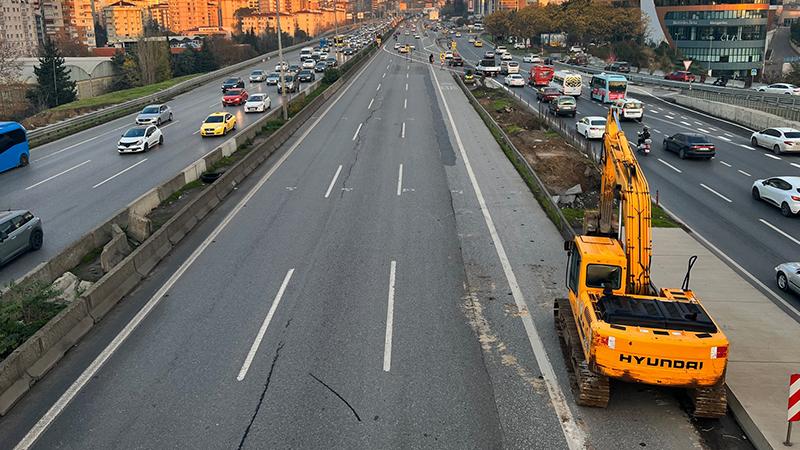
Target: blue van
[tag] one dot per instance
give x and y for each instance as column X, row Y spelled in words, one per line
column 14, row 150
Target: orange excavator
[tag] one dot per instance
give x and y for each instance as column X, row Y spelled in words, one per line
column 615, row 323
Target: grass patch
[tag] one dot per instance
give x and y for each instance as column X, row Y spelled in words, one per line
column 501, row 104
column 661, row 219
column 113, row 98
column 177, row 194
column 573, row 215
column 550, row 134
column 514, row 129
column 92, row 255
column 23, row 311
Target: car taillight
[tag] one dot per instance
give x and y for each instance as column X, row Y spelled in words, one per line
column 788, row 142
column 719, row 352
column 796, row 198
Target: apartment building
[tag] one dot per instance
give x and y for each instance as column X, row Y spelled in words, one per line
column 79, row 21
column 123, row 19
column 186, row 15
column 18, row 26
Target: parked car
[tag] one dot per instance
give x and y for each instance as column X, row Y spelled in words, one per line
column 234, row 97
column 20, row 231
column 257, row 103
column 787, row 275
column 783, row 192
column 258, row 76
column 218, row 124
column 514, row 79
column 690, row 145
column 680, row 75
column 547, row 93
column 779, row 140
column 273, row 78
column 140, row 139
column 155, row 114
column 519, row 45
column 591, row 127
column 563, row 105
column 306, row 76
column 619, row 66
column 232, row 83
column 780, row 88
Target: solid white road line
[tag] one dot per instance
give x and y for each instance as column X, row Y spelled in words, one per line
column 118, row 174
column 400, row 181
column 669, row 165
column 779, row 231
column 403, row 131
column 725, row 164
column 355, row 135
column 744, row 173
column 58, row 407
column 574, row 434
column 387, row 341
column 58, row 174
column 723, row 138
column 771, row 156
column 405, row 103
column 333, row 181
column 379, row 87
column 261, row 331
column 370, row 103
column 716, row 193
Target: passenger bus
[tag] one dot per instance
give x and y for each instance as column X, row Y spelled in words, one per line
column 338, row 41
column 608, row 87
column 540, row 75
column 14, row 150
column 570, row 83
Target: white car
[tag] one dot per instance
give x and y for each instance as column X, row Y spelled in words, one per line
column 488, row 55
column 591, row 127
column 515, row 79
column 308, row 63
column 448, row 55
column 500, row 49
column 257, row 103
column 140, row 139
column 471, row 40
column 575, row 49
column 458, row 34
column 783, row 192
column 519, row 45
column 278, row 66
column 780, row 88
column 779, row 140
column 533, row 59
column 506, row 57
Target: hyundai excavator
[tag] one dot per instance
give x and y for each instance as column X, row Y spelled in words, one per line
column 615, row 323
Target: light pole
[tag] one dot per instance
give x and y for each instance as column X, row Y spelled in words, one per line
column 284, row 107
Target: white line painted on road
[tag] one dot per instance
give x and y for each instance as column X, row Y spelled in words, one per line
column 384, row 75
column 213, row 104
column 405, row 103
column 370, row 103
column 87, row 375
column 653, row 111
column 744, row 173
column 686, row 123
column 771, row 156
column 702, row 130
column 406, row 86
column 669, row 165
column 406, row 75
column 58, row 174
column 700, row 124
column 387, row 66
column 387, row 341
column 333, row 181
column 716, row 193
column 745, row 146
column 729, row 135
column 170, row 124
column 196, row 132
column 725, row 164
column 117, row 174
column 779, row 231
column 724, row 138
column 261, row 331
column 403, row 131
column 379, row 87
column 657, row 131
column 669, row 117
column 712, row 129
column 400, row 181
column 574, row 434
column 795, row 165
column 355, row 135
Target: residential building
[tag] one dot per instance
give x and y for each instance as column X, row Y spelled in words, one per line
column 79, row 21
column 261, row 22
column 18, row 26
column 184, row 15
column 227, row 12
column 123, row 20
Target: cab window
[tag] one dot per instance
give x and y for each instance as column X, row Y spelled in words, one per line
column 573, row 271
column 597, row 275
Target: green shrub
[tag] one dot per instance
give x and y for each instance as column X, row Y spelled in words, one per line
column 331, row 75
column 23, row 311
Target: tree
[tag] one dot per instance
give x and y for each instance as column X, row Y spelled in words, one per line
column 10, row 66
column 126, row 71
column 152, row 54
column 100, row 34
column 53, row 85
column 498, row 24
column 204, row 59
column 69, row 45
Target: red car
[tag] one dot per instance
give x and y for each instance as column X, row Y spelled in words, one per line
column 680, row 75
column 546, row 94
column 234, row 97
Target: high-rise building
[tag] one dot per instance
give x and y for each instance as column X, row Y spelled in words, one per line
column 123, row 20
column 188, row 14
column 18, row 26
column 79, row 21
column 227, row 12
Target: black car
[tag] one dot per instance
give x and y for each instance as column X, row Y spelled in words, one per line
column 320, row 67
column 348, row 51
column 306, row 76
column 690, row 145
column 563, row 105
column 619, row 66
column 233, row 83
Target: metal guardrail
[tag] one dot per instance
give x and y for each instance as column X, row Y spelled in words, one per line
column 49, row 133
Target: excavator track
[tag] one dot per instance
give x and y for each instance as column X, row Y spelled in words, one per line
column 589, row 388
column 711, row 402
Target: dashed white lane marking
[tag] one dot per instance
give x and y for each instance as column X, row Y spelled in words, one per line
column 405, row 103
column 725, row 164
column 699, row 124
column 400, row 181
column 58, row 174
column 118, row 174
column 724, row 138
column 355, row 135
column 387, row 341
column 406, row 86
column 744, row 173
column 656, row 131
column 703, row 130
column 686, row 123
column 370, row 103
column 745, row 146
column 779, row 231
column 653, row 111
column 379, row 87
column 729, row 135
column 712, row 129
column 333, row 181
column 263, row 330
column 716, row 193
column 795, row 165
column 771, row 156
column 403, row 131
column 670, row 165
column 406, row 75
column 669, row 117
column 384, row 75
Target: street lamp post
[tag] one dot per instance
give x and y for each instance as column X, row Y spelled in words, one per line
column 284, row 106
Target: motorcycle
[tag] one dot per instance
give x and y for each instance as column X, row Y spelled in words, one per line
column 644, row 147
column 721, row 81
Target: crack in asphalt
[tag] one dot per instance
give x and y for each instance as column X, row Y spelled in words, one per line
column 263, row 394
column 337, row 394
column 357, row 149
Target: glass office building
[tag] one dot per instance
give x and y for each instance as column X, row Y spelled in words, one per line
column 727, row 37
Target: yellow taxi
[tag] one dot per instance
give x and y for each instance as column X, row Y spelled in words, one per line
column 218, row 124
column 403, row 49
column 478, row 43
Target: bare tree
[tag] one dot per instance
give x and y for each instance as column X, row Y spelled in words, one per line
column 10, row 66
column 153, row 56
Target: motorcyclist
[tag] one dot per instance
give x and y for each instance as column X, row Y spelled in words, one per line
column 644, row 135
column 430, row 58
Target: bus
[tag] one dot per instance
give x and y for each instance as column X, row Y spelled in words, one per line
column 570, row 83
column 14, row 150
column 608, row 87
column 338, row 41
column 540, row 75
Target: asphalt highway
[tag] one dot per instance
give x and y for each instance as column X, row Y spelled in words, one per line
column 711, row 197
column 77, row 182
column 355, row 292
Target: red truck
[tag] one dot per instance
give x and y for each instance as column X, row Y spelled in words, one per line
column 540, row 75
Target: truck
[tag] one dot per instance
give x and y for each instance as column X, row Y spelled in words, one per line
column 614, row 323
column 488, row 67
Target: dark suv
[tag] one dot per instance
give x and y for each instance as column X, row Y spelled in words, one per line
column 20, row 231
column 564, row 105
column 619, row 66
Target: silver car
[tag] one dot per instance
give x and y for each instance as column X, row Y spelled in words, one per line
column 257, row 76
column 787, row 275
column 154, row 114
column 20, row 231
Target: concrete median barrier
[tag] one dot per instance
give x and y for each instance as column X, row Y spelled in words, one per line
column 146, row 257
column 109, row 289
